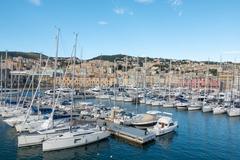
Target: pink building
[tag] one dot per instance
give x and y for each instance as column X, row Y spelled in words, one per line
column 201, row 82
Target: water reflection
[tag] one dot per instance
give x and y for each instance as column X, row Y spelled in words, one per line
column 28, row 152
column 166, row 140
column 90, row 151
column 130, row 143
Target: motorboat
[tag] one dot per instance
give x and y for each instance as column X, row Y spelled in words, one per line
column 165, row 124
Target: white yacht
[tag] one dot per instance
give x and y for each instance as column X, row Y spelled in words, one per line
column 13, row 112
column 208, row 108
column 168, row 105
column 233, row 112
column 219, row 110
column 182, row 105
column 32, row 139
column 103, row 96
column 61, row 91
column 19, row 119
column 127, row 99
column 75, row 138
column 157, row 102
column 194, row 106
column 148, row 101
column 33, row 126
column 164, row 125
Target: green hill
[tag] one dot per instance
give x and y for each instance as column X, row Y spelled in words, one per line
column 110, row 58
column 29, row 55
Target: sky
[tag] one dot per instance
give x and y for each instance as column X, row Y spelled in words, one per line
column 178, row 29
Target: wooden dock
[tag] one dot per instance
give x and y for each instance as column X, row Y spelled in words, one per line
column 130, row 133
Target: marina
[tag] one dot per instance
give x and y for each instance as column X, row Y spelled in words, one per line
column 66, row 118
column 208, row 132
column 119, row 80
column 140, row 116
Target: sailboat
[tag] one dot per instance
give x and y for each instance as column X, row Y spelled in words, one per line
column 206, row 106
column 168, row 103
column 75, row 137
column 43, row 129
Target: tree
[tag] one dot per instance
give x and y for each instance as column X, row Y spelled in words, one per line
column 214, row 72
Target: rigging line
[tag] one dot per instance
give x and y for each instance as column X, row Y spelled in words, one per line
column 35, row 93
column 62, row 84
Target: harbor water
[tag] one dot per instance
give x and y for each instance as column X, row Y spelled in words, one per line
column 199, row 136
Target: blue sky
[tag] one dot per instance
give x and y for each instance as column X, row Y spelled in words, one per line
column 179, row 29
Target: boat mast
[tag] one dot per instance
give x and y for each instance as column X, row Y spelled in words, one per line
column 11, row 85
column 99, row 78
column 5, row 77
column 55, row 68
column 1, row 80
column 73, row 80
column 84, row 75
column 169, row 79
column 39, row 69
column 206, row 82
column 54, row 77
column 159, row 79
column 145, row 73
column 137, row 82
column 18, row 83
column 115, row 74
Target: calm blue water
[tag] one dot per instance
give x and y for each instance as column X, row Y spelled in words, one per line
column 199, row 136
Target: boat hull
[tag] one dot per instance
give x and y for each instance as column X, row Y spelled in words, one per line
column 182, row 107
column 219, row 110
column 34, row 139
column 74, row 141
column 168, row 105
column 233, row 112
column 207, row 109
column 194, row 108
column 160, row 132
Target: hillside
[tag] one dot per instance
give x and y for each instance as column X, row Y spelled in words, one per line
column 111, row 58
column 29, row 55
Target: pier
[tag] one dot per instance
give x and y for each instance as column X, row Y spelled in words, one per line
column 131, row 134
